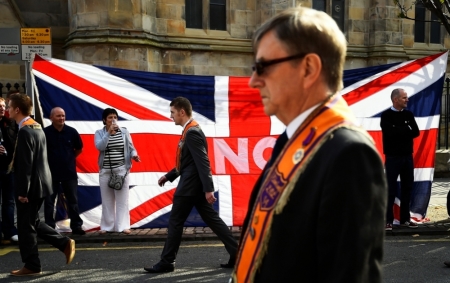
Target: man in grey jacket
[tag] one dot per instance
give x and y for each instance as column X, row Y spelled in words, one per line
column 33, row 183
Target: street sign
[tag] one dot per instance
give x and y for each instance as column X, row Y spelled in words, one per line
column 43, row 50
column 10, row 44
column 32, row 36
column 9, row 49
column 35, row 40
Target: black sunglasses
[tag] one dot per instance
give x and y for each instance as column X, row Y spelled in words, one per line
column 259, row 66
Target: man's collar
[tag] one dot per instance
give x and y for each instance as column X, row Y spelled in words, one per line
column 23, row 120
column 395, row 109
column 187, row 122
column 58, row 130
column 294, row 124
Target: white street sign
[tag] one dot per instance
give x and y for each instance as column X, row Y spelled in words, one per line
column 8, row 49
column 43, row 50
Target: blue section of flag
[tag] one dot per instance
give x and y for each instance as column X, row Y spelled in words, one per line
column 355, row 75
column 198, row 89
column 88, row 197
column 75, row 108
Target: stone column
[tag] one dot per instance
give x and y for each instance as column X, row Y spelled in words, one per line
column 386, row 33
column 110, row 33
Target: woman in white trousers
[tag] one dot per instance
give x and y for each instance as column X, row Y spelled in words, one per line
column 116, row 150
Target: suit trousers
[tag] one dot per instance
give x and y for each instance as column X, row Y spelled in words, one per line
column 403, row 166
column 70, row 193
column 29, row 228
column 115, row 208
column 182, row 206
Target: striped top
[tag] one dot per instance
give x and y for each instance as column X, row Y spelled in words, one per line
column 114, row 151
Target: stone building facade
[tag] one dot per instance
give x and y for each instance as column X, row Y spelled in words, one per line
column 157, row 35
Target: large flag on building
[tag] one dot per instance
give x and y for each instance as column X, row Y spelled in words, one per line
column 240, row 136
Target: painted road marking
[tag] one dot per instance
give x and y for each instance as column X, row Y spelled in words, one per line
column 4, row 251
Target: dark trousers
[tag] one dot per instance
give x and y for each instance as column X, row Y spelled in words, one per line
column 182, row 206
column 7, row 200
column 403, row 166
column 70, row 193
column 29, row 228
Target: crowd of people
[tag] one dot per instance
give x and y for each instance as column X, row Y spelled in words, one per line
column 299, row 61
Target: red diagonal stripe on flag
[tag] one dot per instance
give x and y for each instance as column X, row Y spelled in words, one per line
column 386, row 80
column 95, row 91
column 151, row 206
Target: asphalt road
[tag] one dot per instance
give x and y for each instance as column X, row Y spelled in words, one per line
column 124, row 262
column 407, row 259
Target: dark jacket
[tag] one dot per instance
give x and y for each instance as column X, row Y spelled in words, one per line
column 332, row 228
column 399, row 128
column 8, row 137
column 195, row 168
column 32, row 174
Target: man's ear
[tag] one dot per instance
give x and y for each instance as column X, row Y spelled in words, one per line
column 313, row 69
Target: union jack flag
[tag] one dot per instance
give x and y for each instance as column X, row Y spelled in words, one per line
column 240, row 136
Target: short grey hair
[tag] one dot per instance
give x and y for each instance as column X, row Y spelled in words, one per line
column 305, row 30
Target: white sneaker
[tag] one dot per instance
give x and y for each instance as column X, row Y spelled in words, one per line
column 15, row 238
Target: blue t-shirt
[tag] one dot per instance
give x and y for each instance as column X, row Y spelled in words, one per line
column 61, row 146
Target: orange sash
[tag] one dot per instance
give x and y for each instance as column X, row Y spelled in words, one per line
column 190, row 124
column 281, row 178
column 30, row 123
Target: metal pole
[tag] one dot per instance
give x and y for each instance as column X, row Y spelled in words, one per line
column 29, row 84
column 447, row 80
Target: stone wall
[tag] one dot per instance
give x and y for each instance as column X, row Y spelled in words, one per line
column 151, row 35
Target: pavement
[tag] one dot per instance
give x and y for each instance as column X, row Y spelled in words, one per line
column 439, row 190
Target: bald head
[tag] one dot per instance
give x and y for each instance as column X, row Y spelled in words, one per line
column 58, row 118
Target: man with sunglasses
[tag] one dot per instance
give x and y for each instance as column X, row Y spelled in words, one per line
column 317, row 210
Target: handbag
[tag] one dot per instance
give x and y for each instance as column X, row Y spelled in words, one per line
column 115, row 180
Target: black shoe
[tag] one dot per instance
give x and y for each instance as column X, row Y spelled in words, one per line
column 447, row 263
column 409, row 224
column 161, row 267
column 78, row 231
column 229, row 264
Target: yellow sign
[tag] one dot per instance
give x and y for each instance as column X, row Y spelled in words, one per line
column 35, row 36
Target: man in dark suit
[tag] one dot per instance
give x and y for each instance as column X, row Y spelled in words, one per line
column 195, row 189
column 33, row 184
column 316, row 213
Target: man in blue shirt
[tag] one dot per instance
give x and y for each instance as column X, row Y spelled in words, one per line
column 63, row 146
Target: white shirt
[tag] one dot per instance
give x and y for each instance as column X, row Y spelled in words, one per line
column 188, row 121
column 294, row 124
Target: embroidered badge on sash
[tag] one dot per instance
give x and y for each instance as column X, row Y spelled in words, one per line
column 272, row 191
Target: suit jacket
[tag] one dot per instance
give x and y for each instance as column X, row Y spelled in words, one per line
column 32, row 174
column 195, row 170
column 8, row 133
column 332, row 228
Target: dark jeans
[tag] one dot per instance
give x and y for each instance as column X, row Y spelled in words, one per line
column 182, row 206
column 29, row 228
column 8, row 205
column 70, row 192
column 403, row 166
